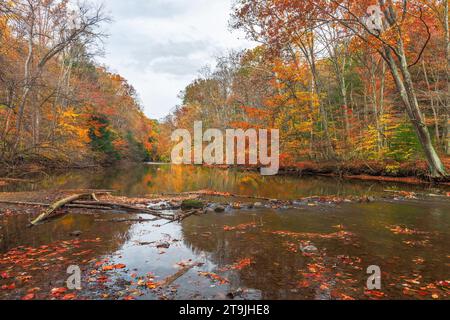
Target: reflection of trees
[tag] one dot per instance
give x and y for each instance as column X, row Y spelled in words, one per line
column 48, row 268
column 14, row 232
column 274, row 271
column 139, row 180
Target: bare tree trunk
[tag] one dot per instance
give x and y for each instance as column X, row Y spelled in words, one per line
column 407, row 93
column 376, row 113
column 447, row 44
column 27, row 86
column 328, row 145
column 432, row 104
column 405, row 87
column 381, row 116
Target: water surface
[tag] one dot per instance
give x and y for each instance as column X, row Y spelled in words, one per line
column 313, row 252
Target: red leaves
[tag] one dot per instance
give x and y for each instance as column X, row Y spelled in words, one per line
column 242, row 264
column 239, row 265
column 70, row 296
column 61, row 293
column 214, row 277
column 5, row 275
column 56, row 292
column 240, row 227
column 374, row 294
column 29, row 296
column 11, row 286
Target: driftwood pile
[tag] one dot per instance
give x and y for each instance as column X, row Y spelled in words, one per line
column 90, row 201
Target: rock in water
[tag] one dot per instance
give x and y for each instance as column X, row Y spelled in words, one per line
column 76, row 233
column 164, row 245
column 192, row 204
column 258, row 205
column 309, row 249
column 208, row 210
column 219, row 209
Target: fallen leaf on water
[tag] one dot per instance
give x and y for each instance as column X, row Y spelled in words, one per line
column 114, row 267
column 29, row 296
column 214, row 277
column 58, row 291
column 375, row 294
column 70, row 296
column 11, row 286
column 240, row 227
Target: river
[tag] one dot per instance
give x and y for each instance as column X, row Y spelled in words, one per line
column 316, row 251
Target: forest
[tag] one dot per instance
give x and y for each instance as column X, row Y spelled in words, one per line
column 353, row 95
column 342, row 94
column 58, row 107
column 348, row 89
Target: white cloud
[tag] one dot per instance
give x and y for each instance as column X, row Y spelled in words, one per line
column 159, row 45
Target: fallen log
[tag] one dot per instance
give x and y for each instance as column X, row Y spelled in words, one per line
column 55, row 206
column 93, row 205
column 119, row 220
column 39, row 204
column 186, row 215
column 128, row 208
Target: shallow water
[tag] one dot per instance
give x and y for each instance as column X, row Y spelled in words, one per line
column 313, row 252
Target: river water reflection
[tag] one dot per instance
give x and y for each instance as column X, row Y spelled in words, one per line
column 315, row 252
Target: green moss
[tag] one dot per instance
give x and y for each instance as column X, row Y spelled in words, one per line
column 192, row 204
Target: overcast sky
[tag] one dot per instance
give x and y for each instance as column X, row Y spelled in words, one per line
column 160, row 45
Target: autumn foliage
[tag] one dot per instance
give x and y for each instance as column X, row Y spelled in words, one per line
column 57, row 105
column 330, row 85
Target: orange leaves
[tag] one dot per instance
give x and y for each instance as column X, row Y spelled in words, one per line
column 11, row 286
column 214, row 277
column 114, row 267
column 374, row 294
column 239, row 265
column 70, row 296
column 56, row 292
column 61, row 293
column 401, row 230
column 29, row 296
column 240, row 227
column 242, row 264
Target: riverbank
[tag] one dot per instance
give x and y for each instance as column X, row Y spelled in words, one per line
column 415, row 173
column 412, row 174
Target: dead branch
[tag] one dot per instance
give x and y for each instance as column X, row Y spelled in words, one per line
column 218, row 194
column 39, row 204
column 171, row 279
column 127, row 208
column 55, row 206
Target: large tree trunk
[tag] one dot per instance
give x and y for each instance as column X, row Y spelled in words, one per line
column 407, row 94
column 405, row 86
column 447, row 44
